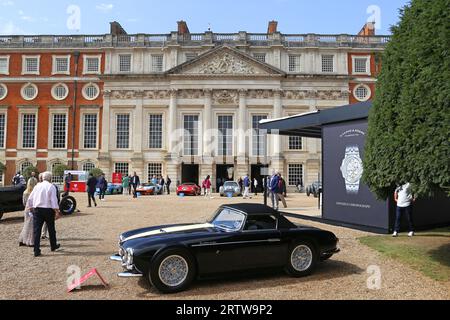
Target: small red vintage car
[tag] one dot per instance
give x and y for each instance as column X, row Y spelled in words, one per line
column 189, row 189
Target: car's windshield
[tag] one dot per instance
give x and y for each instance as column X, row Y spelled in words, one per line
column 231, row 184
column 229, row 220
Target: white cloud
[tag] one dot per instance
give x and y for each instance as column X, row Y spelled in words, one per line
column 7, row 3
column 104, row 7
column 9, row 28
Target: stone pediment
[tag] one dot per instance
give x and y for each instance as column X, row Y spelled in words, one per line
column 225, row 61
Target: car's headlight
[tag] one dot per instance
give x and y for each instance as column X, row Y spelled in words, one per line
column 236, row 189
column 129, row 260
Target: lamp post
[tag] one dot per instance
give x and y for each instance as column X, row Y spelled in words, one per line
column 76, row 55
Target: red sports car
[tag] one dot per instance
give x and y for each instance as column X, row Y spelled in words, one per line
column 189, row 189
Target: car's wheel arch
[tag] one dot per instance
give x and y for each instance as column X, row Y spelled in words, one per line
column 164, row 249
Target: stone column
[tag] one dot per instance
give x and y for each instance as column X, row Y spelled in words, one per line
column 104, row 158
column 207, row 124
column 172, row 117
column 172, row 159
column 206, row 167
column 137, row 136
column 242, row 160
column 277, row 152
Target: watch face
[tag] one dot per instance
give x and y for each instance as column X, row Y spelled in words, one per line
column 352, row 169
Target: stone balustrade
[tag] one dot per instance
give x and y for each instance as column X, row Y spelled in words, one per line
column 193, row 39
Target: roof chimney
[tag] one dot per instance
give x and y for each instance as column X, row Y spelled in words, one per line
column 273, row 25
column 368, row 29
column 183, row 27
column 116, row 29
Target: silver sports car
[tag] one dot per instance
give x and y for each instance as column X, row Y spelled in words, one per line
column 230, row 187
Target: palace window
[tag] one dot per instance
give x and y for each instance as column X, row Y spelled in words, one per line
column 225, row 128
column 123, row 131
column 294, row 63
column 60, row 91
column 328, row 63
column 88, row 166
column 259, row 137
column 91, row 91
column 4, row 65
column 295, row 174
column 29, row 92
column 123, row 168
column 155, row 131
column 90, row 131
column 28, row 131
column 157, row 62
column 154, row 169
column 3, row 91
column 295, row 143
column 362, row 92
column 59, row 131
column 92, row 64
column 125, row 63
column 191, row 128
column 360, row 65
column 30, row 65
column 261, row 57
column 2, row 130
column 61, row 65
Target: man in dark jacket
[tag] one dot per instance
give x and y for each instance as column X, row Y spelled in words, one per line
column 135, row 182
column 91, row 186
column 168, row 183
column 274, row 187
column 102, row 184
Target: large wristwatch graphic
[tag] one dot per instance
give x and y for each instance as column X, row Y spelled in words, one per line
column 352, row 169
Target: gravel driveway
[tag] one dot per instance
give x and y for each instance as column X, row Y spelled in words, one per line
column 90, row 237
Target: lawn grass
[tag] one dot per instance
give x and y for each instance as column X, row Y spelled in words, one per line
column 427, row 252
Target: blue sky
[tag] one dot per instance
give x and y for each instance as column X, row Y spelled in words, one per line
column 157, row 16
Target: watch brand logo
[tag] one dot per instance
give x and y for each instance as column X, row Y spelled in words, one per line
column 352, row 133
column 352, row 169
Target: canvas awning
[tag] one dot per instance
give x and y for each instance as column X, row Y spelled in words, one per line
column 310, row 124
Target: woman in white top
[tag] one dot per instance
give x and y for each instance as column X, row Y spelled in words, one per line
column 26, row 237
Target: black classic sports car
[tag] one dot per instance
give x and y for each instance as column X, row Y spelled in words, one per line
column 239, row 237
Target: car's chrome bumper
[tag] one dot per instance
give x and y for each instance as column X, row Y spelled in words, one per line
column 130, row 274
column 116, row 258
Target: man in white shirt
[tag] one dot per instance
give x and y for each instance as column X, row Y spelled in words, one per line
column 44, row 202
column 404, row 198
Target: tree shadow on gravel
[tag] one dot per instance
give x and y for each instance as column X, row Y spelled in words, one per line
column 257, row 280
column 442, row 254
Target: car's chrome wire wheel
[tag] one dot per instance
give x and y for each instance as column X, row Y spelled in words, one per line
column 173, row 271
column 301, row 258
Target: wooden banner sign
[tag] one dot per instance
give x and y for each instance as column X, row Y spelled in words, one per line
column 85, row 278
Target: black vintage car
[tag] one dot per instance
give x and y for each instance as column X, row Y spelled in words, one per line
column 11, row 201
column 239, row 237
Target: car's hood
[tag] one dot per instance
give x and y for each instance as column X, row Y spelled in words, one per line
column 165, row 230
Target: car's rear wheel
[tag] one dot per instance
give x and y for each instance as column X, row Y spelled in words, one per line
column 303, row 259
column 172, row 271
column 68, row 205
